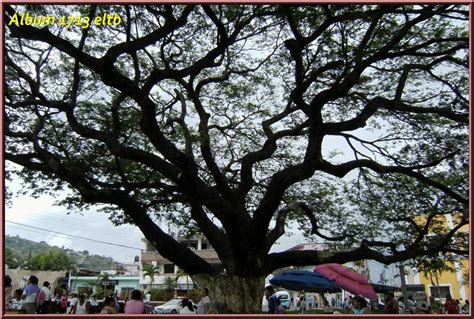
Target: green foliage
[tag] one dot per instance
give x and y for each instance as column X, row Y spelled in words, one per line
column 433, row 266
column 237, row 115
column 180, row 273
column 12, row 259
column 170, row 283
column 100, row 292
column 150, row 271
column 161, row 294
column 18, row 251
column 53, row 261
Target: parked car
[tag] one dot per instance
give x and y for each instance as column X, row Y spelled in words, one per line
column 172, row 306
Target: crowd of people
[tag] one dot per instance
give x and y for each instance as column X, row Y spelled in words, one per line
column 450, row 306
column 35, row 299
column 359, row 305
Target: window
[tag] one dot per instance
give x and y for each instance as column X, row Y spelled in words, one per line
column 169, row 269
column 444, row 290
column 203, row 246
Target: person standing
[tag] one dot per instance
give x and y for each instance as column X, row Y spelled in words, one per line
column 82, row 307
column 135, row 304
column 411, row 305
column 401, row 305
column 391, row 304
column 450, row 305
column 327, row 306
column 44, row 308
column 148, row 296
column 8, row 292
column 94, row 304
column 459, row 305
column 465, row 308
column 273, row 301
column 302, row 301
column 435, row 305
column 64, row 303
column 117, row 304
column 109, row 306
column 360, row 306
column 205, row 303
column 297, row 302
column 348, row 305
column 310, row 302
column 29, row 295
column 16, row 301
column 72, row 302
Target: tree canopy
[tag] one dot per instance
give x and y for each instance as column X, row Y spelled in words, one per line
column 235, row 120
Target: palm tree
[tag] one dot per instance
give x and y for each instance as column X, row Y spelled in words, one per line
column 434, row 266
column 181, row 273
column 170, row 283
column 103, row 277
column 150, row 271
column 101, row 287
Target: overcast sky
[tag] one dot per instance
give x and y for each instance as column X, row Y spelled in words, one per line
column 40, row 220
column 33, row 214
column 42, row 213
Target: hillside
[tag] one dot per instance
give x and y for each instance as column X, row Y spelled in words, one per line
column 19, row 251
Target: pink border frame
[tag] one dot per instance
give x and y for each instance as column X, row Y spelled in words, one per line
column 471, row 144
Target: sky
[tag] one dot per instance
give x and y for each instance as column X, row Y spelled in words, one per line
column 41, row 213
column 58, row 229
column 40, row 220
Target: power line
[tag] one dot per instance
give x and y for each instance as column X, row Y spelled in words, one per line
column 68, row 235
column 119, row 233
column 77, row 222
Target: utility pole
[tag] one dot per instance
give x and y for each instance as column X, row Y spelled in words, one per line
column 404, row 285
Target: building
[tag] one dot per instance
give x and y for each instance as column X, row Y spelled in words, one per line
column 454, row 282
column 122, row 285
column 166, row 269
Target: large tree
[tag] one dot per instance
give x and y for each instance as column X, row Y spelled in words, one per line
column 235, row 121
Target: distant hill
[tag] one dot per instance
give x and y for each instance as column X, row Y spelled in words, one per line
column 19, row 250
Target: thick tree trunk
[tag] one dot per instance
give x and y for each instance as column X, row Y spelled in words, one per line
column 233, row 294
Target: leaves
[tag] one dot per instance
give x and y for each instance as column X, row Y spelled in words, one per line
column 150, row 271
column 51, row 260
column 216, row 120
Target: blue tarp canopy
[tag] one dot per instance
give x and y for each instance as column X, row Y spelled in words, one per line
column 309, row 281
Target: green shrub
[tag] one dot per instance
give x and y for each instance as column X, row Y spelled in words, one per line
column 161, row 295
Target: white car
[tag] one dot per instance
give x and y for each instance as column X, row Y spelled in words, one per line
column 172, row 306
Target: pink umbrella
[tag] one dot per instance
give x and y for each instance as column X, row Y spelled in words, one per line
column 347, row 279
